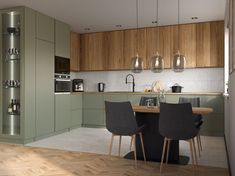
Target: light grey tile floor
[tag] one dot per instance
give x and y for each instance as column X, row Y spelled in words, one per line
column 97, row 140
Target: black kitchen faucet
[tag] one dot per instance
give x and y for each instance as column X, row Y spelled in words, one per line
column 132, row 82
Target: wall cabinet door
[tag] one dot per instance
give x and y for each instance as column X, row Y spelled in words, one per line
column 62, row 39
column 62, row 112
column 74, row 51
column 93, row 51
column 160, row 39
column 44, row 27
column 217, row 44
column 115, row 41
column 186, row 38
column 134, row 44
column 44, row 87
column 210, row 44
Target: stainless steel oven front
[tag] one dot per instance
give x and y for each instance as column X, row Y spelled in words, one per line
column 62, row 83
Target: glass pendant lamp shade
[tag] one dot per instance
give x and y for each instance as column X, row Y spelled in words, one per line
column 137, row 64
column 179, row 62
column 157, row 63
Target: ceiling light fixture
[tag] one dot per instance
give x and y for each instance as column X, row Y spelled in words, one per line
column 178, row 59
column 157, row 62
column 118, row 25
column 137, row 64
column 194, row 18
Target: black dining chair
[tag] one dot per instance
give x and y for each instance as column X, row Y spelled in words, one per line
column 144, row 100
column 120, row 121
column 195, row 102
column 176, row 123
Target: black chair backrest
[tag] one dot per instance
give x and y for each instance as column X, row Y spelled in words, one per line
column 143, row 101
column 120, row 118
column 195, row 102
column 176, row 121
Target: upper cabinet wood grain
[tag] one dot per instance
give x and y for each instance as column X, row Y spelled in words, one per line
column 74, row 52
column 210, row 44
column 134, row 44
column 217, row 44
column 160, row 39
column 93, row 51
column 201, row 43
column 114, row 57
column 187, row 43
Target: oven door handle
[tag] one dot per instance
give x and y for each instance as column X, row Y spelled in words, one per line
column 68, row 80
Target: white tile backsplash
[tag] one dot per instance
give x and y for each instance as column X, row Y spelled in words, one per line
column 193, row 80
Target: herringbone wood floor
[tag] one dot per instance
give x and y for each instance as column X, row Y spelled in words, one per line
column 18, row 160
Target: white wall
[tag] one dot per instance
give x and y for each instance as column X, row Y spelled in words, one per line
column 193, row 80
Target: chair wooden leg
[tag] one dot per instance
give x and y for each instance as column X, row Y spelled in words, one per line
column 111, row 145
column 119, row 148
column 131, row 142
column 163, row 153
column 134, row 140
column 194, row 150
column 142, row 145
column 191, row 151
column 198, row 146
column 168, row 148
column 200, row 141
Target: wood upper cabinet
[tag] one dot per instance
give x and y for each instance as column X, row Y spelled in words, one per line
column 187, row 43
column 160, row 39
column 114, row 59
column 132, row 45
column 210, row 44
column 93, row 51
column 74, row 51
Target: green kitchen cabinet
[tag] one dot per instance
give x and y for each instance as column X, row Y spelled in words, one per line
column 62, row 39
column 76, row 118
column 93, row 110
column 76, row 110
column 135, row 99
column 28, row 75
column 62, row 111
column 44, row 27
column 93, row 100
column 93, row 117
column 213, row 123
column 44, row 87
column 115, row 97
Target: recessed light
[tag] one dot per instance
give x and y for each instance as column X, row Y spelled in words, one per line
column 194, row 18
column 154, row 22
column 87, row 29
column 118, row 25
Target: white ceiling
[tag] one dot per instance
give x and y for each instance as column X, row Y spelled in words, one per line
column 103, row 15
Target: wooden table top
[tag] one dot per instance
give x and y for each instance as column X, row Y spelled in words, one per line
column 156, row 109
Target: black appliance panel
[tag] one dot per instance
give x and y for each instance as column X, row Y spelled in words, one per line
column 62, row 65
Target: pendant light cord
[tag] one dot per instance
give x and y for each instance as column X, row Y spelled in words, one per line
column 137, row 24
column 178, row 25
column 157, row 13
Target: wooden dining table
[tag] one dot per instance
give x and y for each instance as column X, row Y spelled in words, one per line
column 153, row 141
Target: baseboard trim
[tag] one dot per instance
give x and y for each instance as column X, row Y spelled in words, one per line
column 228, row 161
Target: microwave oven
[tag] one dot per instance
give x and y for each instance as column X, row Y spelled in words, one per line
column 62, row 65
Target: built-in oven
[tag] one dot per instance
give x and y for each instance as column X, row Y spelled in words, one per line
column 62, row 83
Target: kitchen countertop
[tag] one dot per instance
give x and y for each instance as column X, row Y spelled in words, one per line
column 167, row 93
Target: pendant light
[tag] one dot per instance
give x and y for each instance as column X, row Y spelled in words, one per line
column 157, row 62
column 137, row 64
column 179, row 60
